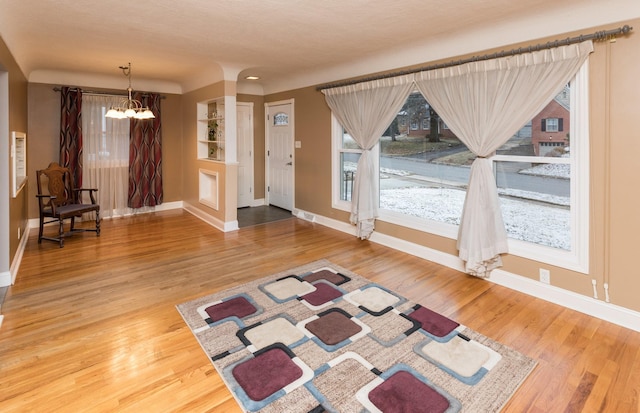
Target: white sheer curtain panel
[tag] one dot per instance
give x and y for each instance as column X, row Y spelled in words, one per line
column 484, row 103
column 365, row 110
column 105, row 154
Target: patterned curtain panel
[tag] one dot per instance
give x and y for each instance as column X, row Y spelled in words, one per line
column 145, row 156
column 71, row 133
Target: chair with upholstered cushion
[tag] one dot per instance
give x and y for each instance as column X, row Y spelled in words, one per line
column 59, row 200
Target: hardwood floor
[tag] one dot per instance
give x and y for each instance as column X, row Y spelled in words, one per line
column 93, row 327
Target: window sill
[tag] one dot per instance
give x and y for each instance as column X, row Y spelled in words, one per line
column 551, row 256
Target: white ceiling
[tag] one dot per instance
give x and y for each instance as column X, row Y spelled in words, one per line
column 186, row 44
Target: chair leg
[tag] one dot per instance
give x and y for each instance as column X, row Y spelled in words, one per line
column 97, row 223
column 40, row 230
column 61, row 234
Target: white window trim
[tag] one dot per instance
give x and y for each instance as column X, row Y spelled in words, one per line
column 578, row 258
column 336, row 151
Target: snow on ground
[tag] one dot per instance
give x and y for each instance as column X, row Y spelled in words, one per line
column 555, row 170
column 525, row 221
column 544, row 222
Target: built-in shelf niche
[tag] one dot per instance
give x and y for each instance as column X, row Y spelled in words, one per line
column 208, row 190
column 18, row 161
column 210, row 130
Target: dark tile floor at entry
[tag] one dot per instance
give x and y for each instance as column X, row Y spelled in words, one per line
column 262, row 214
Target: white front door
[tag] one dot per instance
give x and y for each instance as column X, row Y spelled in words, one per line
column 280, row 155
column 244, row 135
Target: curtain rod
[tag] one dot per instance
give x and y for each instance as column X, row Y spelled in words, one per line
column 597, row 36
column 96, row 92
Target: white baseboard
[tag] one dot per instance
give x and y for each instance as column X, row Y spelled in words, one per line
column 8, row 278
column 211, row 220
column 255, row 203
column 429, row 254
column 5, row 278
column 17, row 259
column 231, row 226
column 605, row 311
column 167, row 206
column 307, row 216
column 585, row 304
column 35, row 222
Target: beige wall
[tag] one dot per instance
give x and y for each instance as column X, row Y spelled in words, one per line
column 14, row 215
column 172, row 166
column 43, row 139
column 615, row 146
column 44, row 135
column 192, row 164
column 615, row 152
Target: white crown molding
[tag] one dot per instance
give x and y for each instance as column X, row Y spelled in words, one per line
column 88, row 80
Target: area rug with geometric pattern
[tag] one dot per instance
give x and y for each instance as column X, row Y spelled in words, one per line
column 320, row 338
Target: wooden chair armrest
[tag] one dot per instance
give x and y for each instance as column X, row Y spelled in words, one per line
column 51, row 204
column 91, row 192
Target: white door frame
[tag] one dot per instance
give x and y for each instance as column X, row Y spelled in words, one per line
column 6, row 278
column 250, row 167
column 267, row 106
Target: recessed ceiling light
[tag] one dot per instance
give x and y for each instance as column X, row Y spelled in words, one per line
column 252, row 77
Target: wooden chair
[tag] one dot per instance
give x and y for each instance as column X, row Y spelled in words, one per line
column 59, row 200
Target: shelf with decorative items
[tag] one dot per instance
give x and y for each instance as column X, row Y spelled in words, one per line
column 211, row 131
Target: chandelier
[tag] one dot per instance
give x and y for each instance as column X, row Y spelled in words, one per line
column 129, row 108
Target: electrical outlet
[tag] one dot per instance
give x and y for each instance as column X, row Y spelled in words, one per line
column 545, row 276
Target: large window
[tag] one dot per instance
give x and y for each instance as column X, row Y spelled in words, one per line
column 543, row 185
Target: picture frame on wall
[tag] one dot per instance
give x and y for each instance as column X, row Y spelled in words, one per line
column 18, row 161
